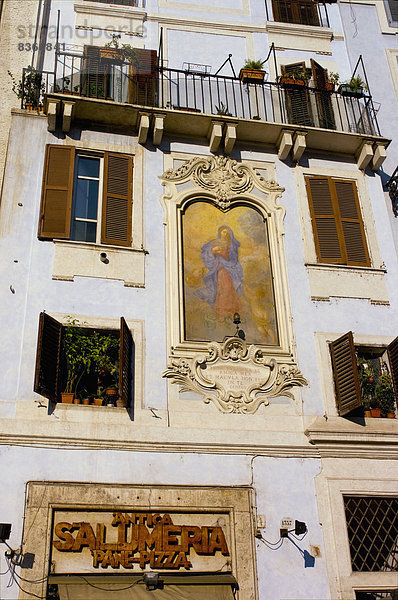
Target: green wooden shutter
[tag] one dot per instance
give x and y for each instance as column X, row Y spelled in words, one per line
column 326, row 235
column 345, row 372
column 48, row 373
column 351, row 223
column 298, row 105
column 125, row 362
column 392, row 351
column 56, row 198
column 117, row 199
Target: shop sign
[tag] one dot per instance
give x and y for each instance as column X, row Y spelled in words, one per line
column 96, row 541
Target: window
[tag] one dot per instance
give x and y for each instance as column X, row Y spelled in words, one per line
column 372, row 528
column 303, row 12
column 392, row 12
column 354, row 367
column 100, row 358
column 377, row 595
column 86, row 196
column 336, row 221
column 122, row 2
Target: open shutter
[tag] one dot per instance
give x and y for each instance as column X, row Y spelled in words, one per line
column 323, row 220
column 47, row 374
column 56, row 197
column 351, row 223
column 117, row 199
column 143, row 78
column 392, row 12
column 125, row 359
column 345, row 371
column 94, row 73
column 298, row 105
column 392, row 351
column 303, row 12
column 323, row 97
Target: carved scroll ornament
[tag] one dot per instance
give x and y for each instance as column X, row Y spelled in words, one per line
column 236, row 377
column 222, row 176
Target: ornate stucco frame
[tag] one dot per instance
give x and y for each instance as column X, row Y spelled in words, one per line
column 226, row 183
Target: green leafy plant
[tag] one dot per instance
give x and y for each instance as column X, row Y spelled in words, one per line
column 367, row 381
column 385, row 394
column 77, row 352
column 356, row 83
column 126, row 50
column 253, row 64
column 222, row 109
column 31, row 87
column 333, row 78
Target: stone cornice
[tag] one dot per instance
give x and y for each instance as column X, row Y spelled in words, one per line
column 110, row 11
column 299, row 30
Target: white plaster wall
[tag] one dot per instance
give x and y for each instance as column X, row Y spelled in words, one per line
column 282, row 488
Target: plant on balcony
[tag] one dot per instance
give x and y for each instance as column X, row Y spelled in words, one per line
column 252, row 71
column 354, row 87
column 295, row 77
column 367, row 383
column 121, row 52
column 385, row 395
column 30, row 88
column 222, row 109
column 332, row 79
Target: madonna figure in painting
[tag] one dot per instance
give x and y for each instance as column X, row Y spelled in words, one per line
column 225, row 277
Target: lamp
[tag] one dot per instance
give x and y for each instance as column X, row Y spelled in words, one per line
column 152, row 581
column 5, row 530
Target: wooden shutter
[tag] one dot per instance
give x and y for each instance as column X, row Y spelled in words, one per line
column 48, row 372
column 94, row 73
column 336, row 220
column 56, row 197
column 326, row 236
column 323, row 97
column 143, row 78
column 298, row 105
column 393, row 16
column 125, row 361
column 351, row 223
column 392, row 351
column 117, row 199
column 303, row 12
column 345, row 372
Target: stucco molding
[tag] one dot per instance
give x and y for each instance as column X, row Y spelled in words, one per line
column 222, row 176
column 299, row 30
column 237, row 378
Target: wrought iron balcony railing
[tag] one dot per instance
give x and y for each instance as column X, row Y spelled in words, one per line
column 199, row 92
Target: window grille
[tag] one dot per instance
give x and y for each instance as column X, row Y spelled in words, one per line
column 372, row 524
column 377, row 595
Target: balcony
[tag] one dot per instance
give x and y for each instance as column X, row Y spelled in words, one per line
column 115, row 92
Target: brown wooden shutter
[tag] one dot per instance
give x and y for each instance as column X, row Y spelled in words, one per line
column 117, row 199
column 351, row 223
column 392, row 351
column 298, row 105
column 143, row 78
column 56, row 196
column 94, row 73
column 303, row 12
column 48, row 372
column 345, row 371
column 324, row 225
column 322, row 96
column 125, row 361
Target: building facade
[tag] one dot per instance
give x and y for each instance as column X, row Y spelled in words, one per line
column 205, row 257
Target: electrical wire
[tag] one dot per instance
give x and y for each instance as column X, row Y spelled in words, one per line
column 269, row 547
column 108, row 590
column 5, row 572
column 14, row 580
column 298, row 538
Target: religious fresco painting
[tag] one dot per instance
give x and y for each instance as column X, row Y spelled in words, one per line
column 227, row 269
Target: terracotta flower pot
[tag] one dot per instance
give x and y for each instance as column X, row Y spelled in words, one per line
column 390, row 415
column 251, row 75
column 98, row 401
column 86, row 401
column 67, row 398
column 375, row 412
column 367, row 414
column 111, row 391
column 76, row 400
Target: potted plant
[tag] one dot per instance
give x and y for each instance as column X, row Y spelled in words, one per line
column 385, row 395
column 295, row 78
column 353, row 88
column 252, row 71
column 222, row 109
column 77, row 346
column 367, row 383
column 332, row 79
column 30, row 88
